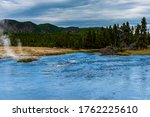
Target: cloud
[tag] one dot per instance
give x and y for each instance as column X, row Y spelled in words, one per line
column 25, row 4
column 75, row 12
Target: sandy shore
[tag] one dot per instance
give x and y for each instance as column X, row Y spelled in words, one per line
column 39, row 51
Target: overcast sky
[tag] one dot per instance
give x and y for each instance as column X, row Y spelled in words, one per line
column 82, row 13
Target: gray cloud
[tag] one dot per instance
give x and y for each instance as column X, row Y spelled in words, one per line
column 75, row 12
column 43, row 7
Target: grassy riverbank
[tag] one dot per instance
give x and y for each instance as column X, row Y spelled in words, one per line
column 135, row 52
column 41, row 51
column 44, row 51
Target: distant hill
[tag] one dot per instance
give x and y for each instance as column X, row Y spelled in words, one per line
column 13, row 26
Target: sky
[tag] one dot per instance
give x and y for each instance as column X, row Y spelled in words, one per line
column 81, row 13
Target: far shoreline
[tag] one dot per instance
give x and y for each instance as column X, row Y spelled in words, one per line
column 135, row 52
column 41, row 51
column 46, row 51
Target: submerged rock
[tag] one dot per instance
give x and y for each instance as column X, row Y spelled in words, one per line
column 27, row 59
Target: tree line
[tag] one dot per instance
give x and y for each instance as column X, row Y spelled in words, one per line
column 118, row 36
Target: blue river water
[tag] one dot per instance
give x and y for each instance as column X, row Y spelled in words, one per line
column 85, row 76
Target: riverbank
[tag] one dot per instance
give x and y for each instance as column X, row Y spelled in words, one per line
column 124, row 52
column 45, row 51
column 40, row 51
column 135, row 52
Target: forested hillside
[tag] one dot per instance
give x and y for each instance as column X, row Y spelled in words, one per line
column 119, row 36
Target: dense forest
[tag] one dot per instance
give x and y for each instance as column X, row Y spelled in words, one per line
column 118, row 36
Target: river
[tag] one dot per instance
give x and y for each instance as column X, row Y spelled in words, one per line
column 79, row 76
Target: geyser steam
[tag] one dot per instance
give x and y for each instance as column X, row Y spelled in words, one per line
column 5, row 42
column 20, row 47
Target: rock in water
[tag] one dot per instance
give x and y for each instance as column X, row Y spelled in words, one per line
column 27, row 59
column 109, row 51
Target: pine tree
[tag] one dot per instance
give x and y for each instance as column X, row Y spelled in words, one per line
column 142, row 34
column 116, row 40
column 143, row 26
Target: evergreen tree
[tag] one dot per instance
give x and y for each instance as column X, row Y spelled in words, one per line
column 116, row 36
column 88, row 40
column 142, row 40
column 122, row 36
column 143, row 26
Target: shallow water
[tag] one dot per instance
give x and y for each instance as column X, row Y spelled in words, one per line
column 77, row 76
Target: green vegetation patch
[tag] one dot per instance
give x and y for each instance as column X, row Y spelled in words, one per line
column 27, row 60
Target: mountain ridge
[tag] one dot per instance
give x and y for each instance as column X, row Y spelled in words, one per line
column 14, row 26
